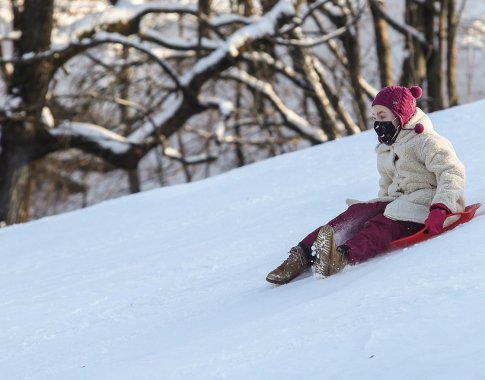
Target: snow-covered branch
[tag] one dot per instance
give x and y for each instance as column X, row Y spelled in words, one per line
column 115, row 148
column 264, row 27
column 184, row 106
column 178, row 43
column 60, row 56
column 174, row 154
column 278, row 66
column 101, row 142
column 89, row 132
column 298, row 21
column 291, row 118
column 229, row 19
column 125, row 17
column 233, row 139
column 224, row 106
column 125, row 41
column 311, row 42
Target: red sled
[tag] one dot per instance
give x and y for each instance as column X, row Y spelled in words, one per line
column 423, row 235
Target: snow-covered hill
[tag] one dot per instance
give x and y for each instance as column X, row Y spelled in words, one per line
column 169, row 284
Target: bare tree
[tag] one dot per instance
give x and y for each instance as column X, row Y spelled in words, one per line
column 195, row 77
column 430, row 32
column 452, row 51
column 383, row 46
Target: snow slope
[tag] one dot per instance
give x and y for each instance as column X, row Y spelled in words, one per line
column 169, row 284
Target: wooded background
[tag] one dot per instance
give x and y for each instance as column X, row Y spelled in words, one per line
column 106, row 98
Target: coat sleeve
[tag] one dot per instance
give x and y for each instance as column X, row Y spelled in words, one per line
column 385, row 179
column 384, row 183
column 440, row 158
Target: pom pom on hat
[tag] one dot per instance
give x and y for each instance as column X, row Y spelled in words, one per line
column 419, row 128
column 416, row 92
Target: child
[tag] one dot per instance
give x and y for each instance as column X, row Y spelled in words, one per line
column 421, row 182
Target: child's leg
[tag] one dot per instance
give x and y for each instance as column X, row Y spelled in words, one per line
column 376, row 235
column 347, row 224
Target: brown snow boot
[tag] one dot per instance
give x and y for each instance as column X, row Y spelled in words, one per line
column 330, row 259
column 338, row 259
column 324, row 246
column 292, row 267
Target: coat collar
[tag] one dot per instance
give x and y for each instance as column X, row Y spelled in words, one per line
column 408, row 132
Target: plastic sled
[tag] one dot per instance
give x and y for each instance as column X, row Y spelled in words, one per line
column 423, row 235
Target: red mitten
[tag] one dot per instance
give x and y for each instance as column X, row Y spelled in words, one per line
column 436, row 219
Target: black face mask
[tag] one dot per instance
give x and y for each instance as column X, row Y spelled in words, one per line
column 386, row 131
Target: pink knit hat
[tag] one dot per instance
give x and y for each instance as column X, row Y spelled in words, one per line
column 400, row 100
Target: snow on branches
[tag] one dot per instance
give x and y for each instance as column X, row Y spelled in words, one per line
column 124, row 80
column 184, row 102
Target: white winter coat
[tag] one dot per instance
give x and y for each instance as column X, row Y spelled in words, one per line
column 417, row 171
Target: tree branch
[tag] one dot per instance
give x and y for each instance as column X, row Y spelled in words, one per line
column 61, row 56
column 404, row 29
column 182, row 108
column 277, row 65
column 291, row 119
column 101, row 142
column 174, row 44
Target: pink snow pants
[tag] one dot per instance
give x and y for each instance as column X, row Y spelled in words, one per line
column 365, row 230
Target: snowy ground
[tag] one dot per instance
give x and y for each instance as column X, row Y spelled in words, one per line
column 169, row 284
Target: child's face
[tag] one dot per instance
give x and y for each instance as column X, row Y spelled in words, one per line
column 382, row 113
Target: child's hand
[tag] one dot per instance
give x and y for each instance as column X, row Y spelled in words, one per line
column 436, row 219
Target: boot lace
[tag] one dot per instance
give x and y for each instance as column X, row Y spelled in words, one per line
column 296, row 256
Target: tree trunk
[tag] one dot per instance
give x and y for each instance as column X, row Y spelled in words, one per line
column 336, row 101
column 203, row 13
column 125, row 121
column 19, row 148
column 134, row 181
column 383, row 46
column 23, row 139
column 30, row 81
column 350, row 41
column 414, row 65
column 14, row 184
column 452, row 54
column 434, row 63
column 303, row 61
column 351, row 44
column 22, row 196
column 239, row 148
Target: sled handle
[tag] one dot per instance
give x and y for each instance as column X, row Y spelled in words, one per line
column 469, row 211
column 424, row 230
column 423, row 234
